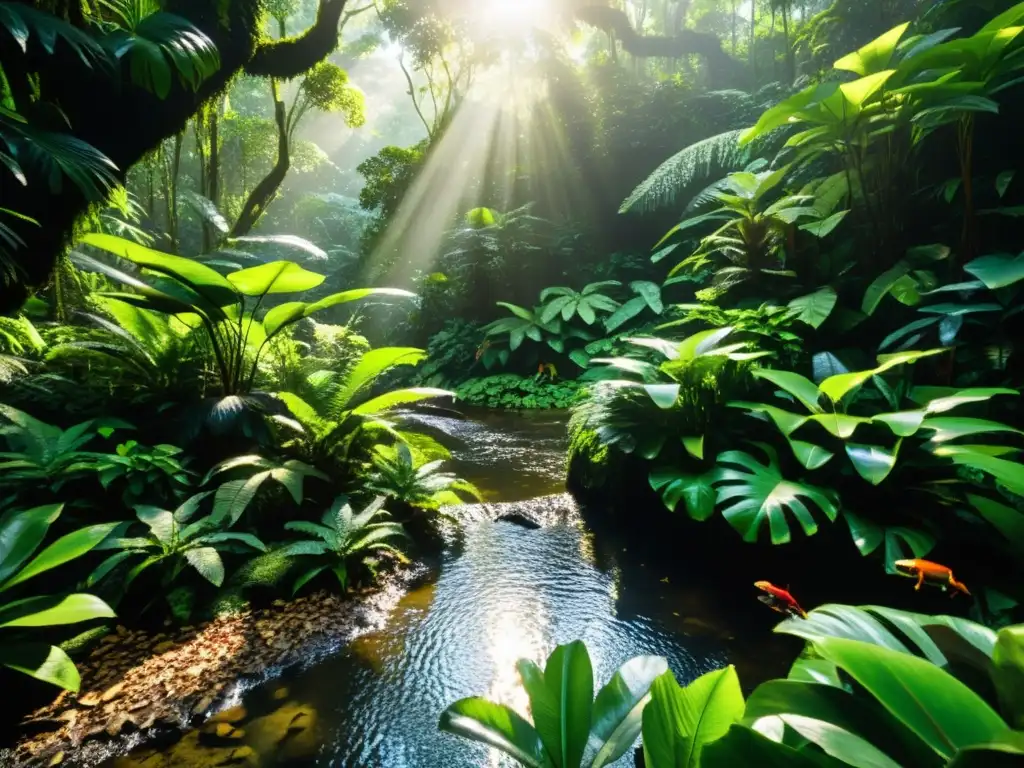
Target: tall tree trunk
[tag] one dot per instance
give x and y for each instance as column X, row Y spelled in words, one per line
column 734, row 20
column 125, row 122
column 264, row 193
column 753, row 38
column 790, row 61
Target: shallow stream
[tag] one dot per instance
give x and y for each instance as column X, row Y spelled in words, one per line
column 506, row 593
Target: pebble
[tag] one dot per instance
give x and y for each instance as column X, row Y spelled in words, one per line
column 132, row 681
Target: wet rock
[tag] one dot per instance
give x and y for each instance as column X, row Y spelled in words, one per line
column 218, row 734
column 232, row 715
column 516, row 519
column 164, row 647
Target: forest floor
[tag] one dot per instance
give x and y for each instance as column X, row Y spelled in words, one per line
column 136, row 684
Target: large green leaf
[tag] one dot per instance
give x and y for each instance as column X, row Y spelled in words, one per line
column 53, row 610
column 618, row 710
column 876, row 55
column 43, row 662
column 274, row 277
column 938, row 708
column 997, row 271
column 760, row 494
column 1008, row 674
column 745, row 747
column 283, row 315
column 882, row 285
column 569, row 676
column 206, row 560
column 872, row 462
column 837, row 387
column 839, row 742
column 355, row 294
column 497, row 726
column 21, row 533
column 371, row 366
column 397, row 397
column 213, row 287
column 675, row 485
column 63, row 550
column 815, row 308
column 800, row 387
column 679, row 723
column 833, row 704
column 1005, row 519
column 952, row 427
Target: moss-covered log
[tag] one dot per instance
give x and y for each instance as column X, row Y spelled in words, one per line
column 126, row 122
column 722, row 68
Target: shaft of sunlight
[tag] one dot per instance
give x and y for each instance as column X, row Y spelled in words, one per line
column 503, row 138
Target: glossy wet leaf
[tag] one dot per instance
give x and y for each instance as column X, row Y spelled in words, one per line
column 618, row 710
column 757, row 495
column 872, row 462
column 53, row 610
column 1005, row 519
column 997, row 271
column 1008, row 674
column 63, row 550
column 497, row 726
column 21, row 533
column 815, row 308
column 274, row 277
column 47, row 663
column 679, row 723
column 742, row 746
column 858, row 715
column 938, row 708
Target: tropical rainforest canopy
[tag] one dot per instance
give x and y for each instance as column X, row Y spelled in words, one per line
column 765, row 255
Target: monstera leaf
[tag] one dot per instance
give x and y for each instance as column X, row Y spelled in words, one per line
column 761, row 495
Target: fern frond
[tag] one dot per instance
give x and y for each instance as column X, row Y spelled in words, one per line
column 711, row 158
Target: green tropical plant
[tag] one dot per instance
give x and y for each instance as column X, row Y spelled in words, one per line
column 587, row 304
column 515, row 392
column 926, row 690
column 225, row 307
column 159, row 471
column 42, row 456
column 156, row 45
column 21, row 534
column 339, row 412
column 647, row 295
column 874, row 687
column 233, row 497
column 528, row 324
column 173, row 541
column 341, row 537
column 397, row 475
column 570, row 727
column 679, row 722
column 752, row 240
column 147, row 353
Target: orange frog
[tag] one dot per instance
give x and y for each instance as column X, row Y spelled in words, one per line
column 927, row 572
column 779, row 600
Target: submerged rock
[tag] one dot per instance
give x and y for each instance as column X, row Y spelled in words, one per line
column 517, row 519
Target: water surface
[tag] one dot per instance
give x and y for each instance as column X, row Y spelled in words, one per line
column 507, row 593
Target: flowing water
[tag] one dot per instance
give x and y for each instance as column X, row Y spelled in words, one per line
column 505, row 593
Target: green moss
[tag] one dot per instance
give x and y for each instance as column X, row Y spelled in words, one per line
column 80, row 644
column 267, row 570
column 589, row 461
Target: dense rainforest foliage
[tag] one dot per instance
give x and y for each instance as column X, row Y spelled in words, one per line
column 766, row 253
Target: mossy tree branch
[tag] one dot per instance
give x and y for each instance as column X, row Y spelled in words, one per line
column 125, row 122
